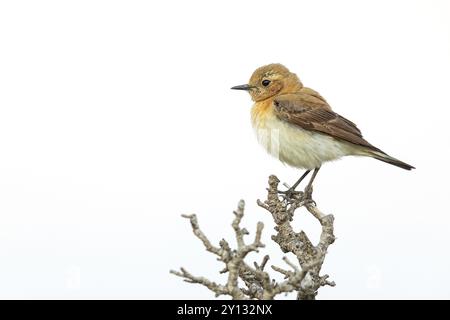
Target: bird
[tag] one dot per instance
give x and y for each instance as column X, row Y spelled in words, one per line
column 299, row 124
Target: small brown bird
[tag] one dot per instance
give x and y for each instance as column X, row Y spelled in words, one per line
column 299, row 124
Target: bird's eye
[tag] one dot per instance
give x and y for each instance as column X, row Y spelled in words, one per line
column 265, row 83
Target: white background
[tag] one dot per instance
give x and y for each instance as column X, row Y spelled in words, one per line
column 116, row 117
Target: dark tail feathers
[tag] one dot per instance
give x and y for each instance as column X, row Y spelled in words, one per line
column 391, row 160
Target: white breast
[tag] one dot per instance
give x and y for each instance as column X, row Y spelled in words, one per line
column 298, row 147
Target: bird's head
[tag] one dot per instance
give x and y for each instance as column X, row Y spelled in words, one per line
column 270, row 80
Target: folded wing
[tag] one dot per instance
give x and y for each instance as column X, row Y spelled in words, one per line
column 312, row 112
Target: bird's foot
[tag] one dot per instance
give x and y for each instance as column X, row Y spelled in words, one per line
column 307, row 196
column 290, row 193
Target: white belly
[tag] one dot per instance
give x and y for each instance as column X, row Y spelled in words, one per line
column 298, row 147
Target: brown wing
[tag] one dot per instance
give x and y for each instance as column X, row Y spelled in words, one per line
column 312, row 112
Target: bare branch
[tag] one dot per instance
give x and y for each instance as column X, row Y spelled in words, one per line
column 239, row 213
column 188, row 277
column 293, row 266
column 263, row 263
column 304, row 278
column 310, row 257
column 286, row 273
column 199, row 234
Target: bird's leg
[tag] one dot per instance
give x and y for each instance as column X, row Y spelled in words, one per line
column 307, row 194
column 300, row 180
column 289, row 192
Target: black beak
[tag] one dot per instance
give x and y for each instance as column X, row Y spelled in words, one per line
column 245, row 87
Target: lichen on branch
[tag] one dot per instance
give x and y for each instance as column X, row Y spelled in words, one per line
column 302, row 276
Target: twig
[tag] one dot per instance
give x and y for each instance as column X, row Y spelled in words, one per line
column 304, row 278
